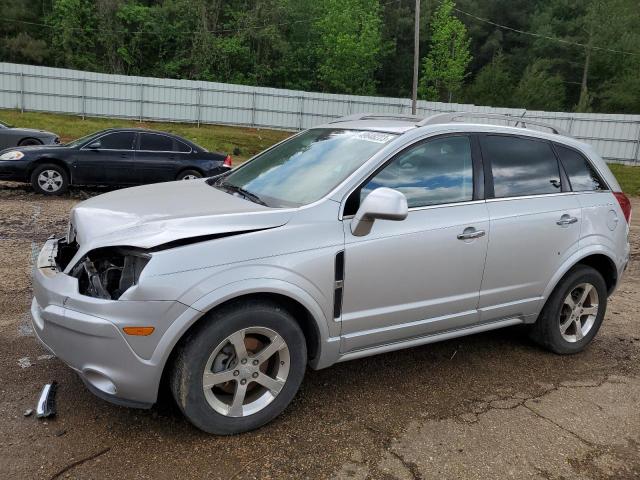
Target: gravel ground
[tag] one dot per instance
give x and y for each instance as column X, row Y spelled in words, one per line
column 487, row 406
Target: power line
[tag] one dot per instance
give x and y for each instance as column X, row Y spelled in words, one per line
column 547, row 37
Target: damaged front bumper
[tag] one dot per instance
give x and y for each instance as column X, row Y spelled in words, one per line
column 86, row 333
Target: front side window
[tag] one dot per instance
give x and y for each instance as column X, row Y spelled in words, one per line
column 117, row 141
column 156, row 143
column 521, row 166
column 582, row 175
column 306, row 167
column 434, row 172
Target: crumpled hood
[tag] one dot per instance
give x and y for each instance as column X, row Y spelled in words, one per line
column 153, row 215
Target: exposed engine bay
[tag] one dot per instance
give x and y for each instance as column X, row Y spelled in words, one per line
column 107, row 272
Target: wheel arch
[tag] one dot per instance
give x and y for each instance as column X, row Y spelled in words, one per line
column 54, row 161
column 308, row 316
column 40, row 142
column 181, row 170
column 599, row 258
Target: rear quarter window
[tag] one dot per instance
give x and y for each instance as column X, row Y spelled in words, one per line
column 582, row 176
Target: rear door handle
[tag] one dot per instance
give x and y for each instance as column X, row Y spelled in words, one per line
column 470, row 233
column 566, row 220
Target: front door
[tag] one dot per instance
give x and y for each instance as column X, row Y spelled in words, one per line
column 422, row 275
column 108, row 160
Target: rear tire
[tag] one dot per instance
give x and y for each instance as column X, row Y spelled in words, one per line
column 49, row 179
column 189, row 175
column 225, row 389
column 573, row 313
column 29, row 141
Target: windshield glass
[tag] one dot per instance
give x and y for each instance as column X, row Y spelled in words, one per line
column 306, row 167
column 81, row 140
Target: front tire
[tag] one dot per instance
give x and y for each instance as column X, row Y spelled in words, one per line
column 573, row 313
column 49, row 179
column 240, row 368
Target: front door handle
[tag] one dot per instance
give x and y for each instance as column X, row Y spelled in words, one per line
column 470, row 233
column 566, row 220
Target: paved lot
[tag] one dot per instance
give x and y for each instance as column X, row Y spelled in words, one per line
column 487, row 406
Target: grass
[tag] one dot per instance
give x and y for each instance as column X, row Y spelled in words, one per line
column 217, row 138
column 628, row 177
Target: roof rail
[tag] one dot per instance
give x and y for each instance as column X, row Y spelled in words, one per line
column 377, row 116
column 518, row 121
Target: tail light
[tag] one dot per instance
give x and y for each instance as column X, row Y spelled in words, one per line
column 625, row 204
column 228, row 162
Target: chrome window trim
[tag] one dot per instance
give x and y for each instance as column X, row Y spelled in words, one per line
column 432, row 207
column 164, row 151
column 526, row 197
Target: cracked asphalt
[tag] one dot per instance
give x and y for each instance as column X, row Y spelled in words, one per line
column 486, row 406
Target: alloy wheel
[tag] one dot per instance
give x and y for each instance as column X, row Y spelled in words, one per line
column 50, row 180
column 246, row 371
column 578, row 312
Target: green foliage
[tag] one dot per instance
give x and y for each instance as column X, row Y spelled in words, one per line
column 349, row 45
column 493, row 85
column 445, row 67
column 74, row 35
column 539, row 89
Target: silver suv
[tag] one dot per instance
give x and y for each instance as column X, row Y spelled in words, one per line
column 361, row 236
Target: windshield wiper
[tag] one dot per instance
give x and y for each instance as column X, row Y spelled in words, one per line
column 236, row 189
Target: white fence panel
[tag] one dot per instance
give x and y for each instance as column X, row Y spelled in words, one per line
column 26, row 87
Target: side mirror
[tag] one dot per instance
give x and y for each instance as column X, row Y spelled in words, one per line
column 382, row 204
column 94, row 145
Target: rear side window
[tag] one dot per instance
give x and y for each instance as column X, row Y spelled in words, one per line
column 582, row 175
column 430, row 173
column 156, row 143
column 118, row 141
column 521, row 166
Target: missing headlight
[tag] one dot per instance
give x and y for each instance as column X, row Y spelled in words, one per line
column 108, row 272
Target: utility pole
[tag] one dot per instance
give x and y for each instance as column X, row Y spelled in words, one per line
column 416, row 58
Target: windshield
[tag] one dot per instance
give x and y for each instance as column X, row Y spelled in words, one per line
column 82, row 140
column 304, row 168
column 4, row 125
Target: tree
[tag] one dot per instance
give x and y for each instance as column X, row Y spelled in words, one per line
column 74, row 33
column 349, row 46
column 444, row 68
column 493, row 85
column 539, row 89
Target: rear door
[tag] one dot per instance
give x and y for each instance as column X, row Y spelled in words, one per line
column 158, row 157
column 535, row 224
column 110, row 162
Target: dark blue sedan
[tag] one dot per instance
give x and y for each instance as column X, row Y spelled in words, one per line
column 111, row 157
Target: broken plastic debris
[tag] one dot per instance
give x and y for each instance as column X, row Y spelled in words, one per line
column 28, row 412
column 24, row 362
column 47, row 402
